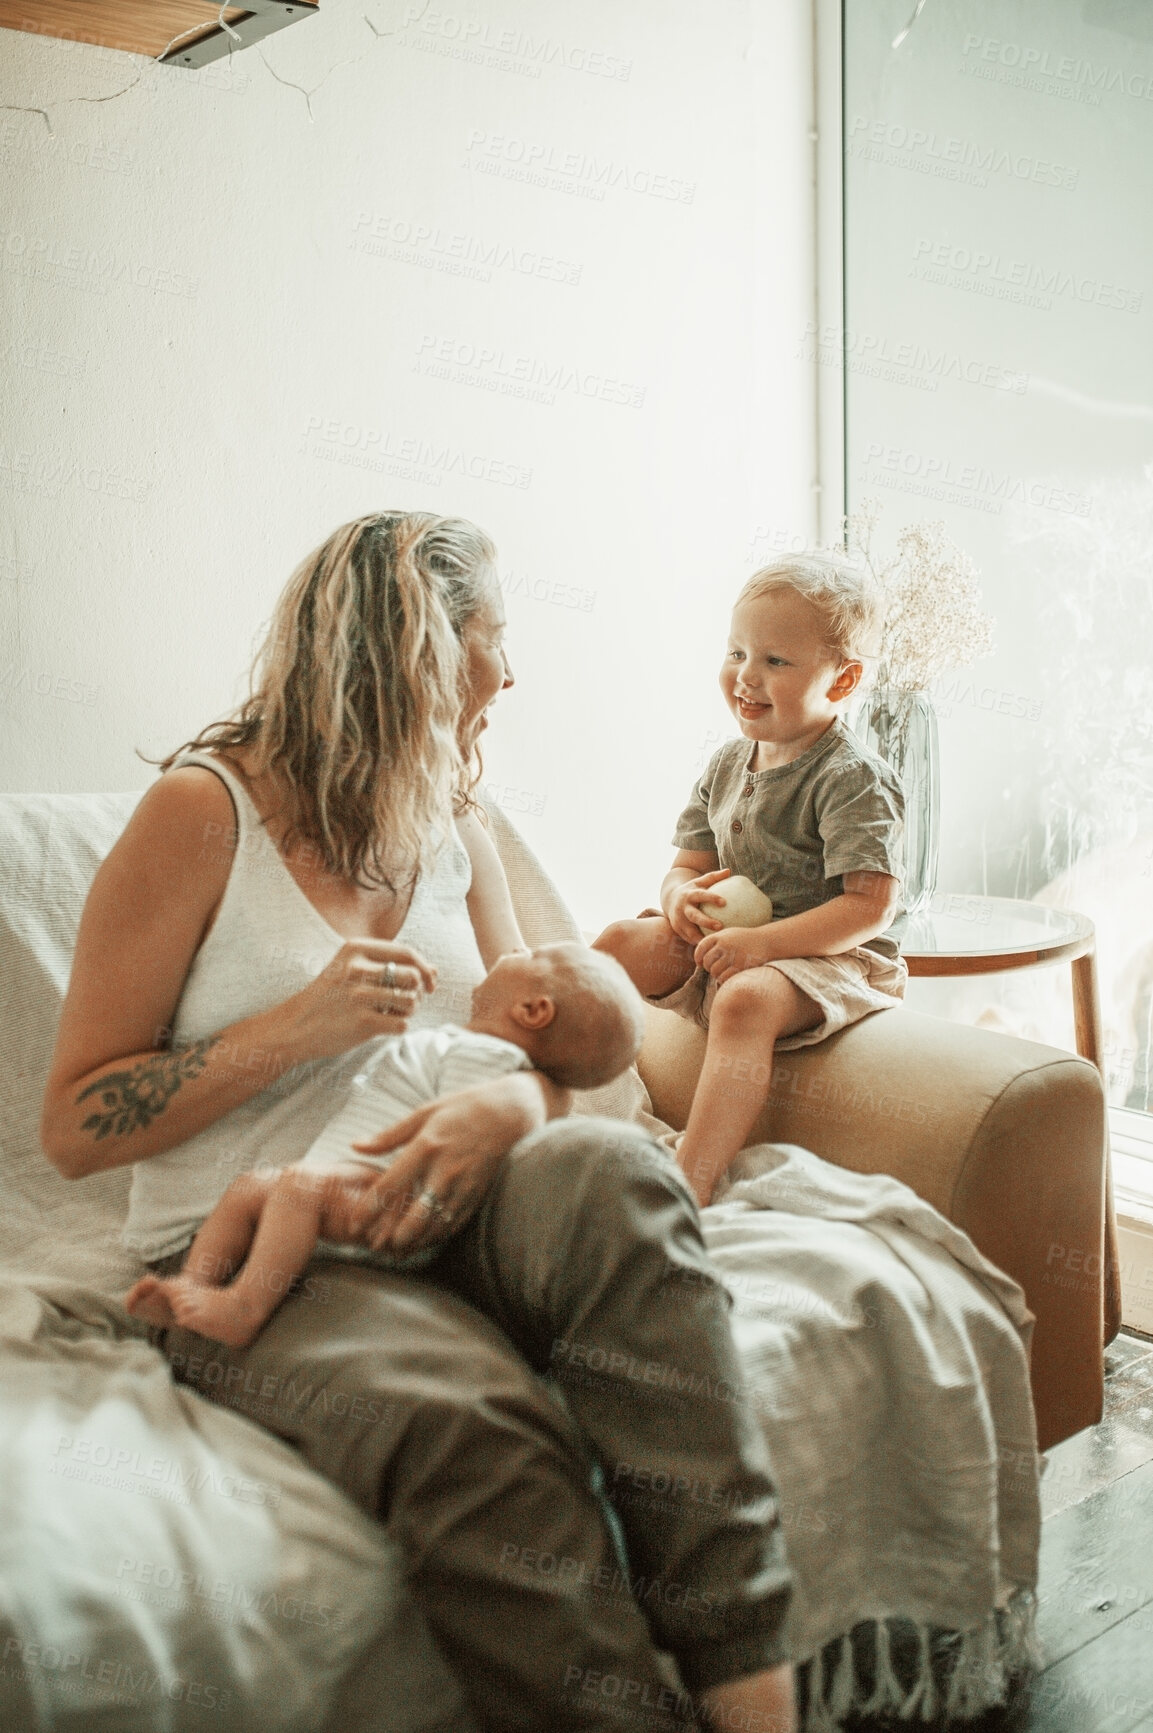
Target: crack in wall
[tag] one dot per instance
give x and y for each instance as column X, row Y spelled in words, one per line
column 155, row 60
column 351, row 60
column 113, row 95
column 308, row 95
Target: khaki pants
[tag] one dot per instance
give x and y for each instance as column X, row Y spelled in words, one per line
column 422, row 1395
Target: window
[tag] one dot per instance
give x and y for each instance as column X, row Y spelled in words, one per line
column 995, row 351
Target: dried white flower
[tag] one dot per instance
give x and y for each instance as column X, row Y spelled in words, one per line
column 933, row 617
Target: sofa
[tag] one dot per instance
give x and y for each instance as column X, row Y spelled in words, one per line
column 160, row 1556
column 1006, row 1138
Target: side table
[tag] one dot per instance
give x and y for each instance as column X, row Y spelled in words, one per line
column 964, row 935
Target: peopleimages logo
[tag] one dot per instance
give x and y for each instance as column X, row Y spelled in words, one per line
column 992, row 274
column 79, row 268
column 522, row 800
column 48, row 473
column 506, row 50
column 551, row 590
column 1094, row 78
column 38, row 354
column 491, row 368
column 111, row 158
column 384, row 236
column 904, row 361
column 916, row 148
column 109, row 1684
column 938, row 477
column 15, row 678
column 410, row 456
column 569, row 171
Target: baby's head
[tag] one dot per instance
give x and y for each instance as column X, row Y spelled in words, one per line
column 802, row 630
column 573, row 1010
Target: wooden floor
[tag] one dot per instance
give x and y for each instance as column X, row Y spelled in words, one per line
column 1096, row 1591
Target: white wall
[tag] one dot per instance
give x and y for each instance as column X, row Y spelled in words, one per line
column 220, row 301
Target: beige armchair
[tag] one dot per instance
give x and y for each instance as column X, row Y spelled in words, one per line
column 1006, row 1138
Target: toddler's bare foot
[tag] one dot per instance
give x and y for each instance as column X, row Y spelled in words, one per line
column 226, row 1315
column 760, row 1700
column 150, row 1300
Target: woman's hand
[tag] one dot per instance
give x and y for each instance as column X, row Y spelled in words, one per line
column 369, row 988
column 449, row 1155
column 730, row 951
column 684, row 910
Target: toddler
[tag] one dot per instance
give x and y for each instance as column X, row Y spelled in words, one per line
column 801, row 807
column 562, row 1009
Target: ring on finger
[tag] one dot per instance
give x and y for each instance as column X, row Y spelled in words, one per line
column 390, row 975
column 434, row 1206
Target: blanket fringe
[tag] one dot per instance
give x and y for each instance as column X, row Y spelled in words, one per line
column 831, row 1689
column 956, row 1676
column 840, row 1698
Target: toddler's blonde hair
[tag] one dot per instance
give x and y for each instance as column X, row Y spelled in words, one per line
column 844, row 595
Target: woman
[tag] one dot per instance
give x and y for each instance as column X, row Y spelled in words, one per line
column 278, row 899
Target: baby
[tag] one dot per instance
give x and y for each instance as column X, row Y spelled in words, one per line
column 562, row 1009
column 802, row 808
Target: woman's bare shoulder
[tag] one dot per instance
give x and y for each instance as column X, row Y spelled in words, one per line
column 184, row 797
column 148, row 909
column 182, row 832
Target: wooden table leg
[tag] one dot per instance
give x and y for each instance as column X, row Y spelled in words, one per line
column 1087, row 1022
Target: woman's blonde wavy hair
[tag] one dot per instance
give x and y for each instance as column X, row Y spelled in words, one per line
column 356, row 692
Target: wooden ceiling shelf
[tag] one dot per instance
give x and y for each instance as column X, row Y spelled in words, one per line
column 178, row 32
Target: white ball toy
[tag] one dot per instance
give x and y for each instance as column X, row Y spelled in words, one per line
column 744, row 905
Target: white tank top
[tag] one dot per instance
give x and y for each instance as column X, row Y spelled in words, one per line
column 267, row 943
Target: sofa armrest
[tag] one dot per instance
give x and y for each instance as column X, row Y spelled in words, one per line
column 1004, row 1137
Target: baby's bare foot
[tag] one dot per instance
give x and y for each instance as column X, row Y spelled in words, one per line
column 224, row 1314
column 151, row 1300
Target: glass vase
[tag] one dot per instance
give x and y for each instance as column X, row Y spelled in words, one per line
column 901, row 728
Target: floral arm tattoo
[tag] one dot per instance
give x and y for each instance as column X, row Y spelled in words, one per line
column 133, row 1099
